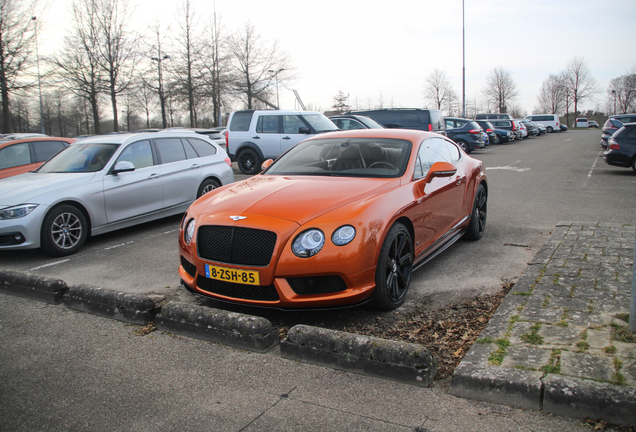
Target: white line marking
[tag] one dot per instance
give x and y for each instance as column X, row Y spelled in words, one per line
column 566, row 140
column 589, row 175
column 50, row 264
column 170, row 232
column 508, row 168
column 119, row 245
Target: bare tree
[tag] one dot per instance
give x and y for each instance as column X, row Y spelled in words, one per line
column 622, row 91
column 438, row 89
column 579, row 81
column 552, row 97
column 500, row 89
column 17, row 35
column 259, row 68
column 116, row 49
column 78, row 61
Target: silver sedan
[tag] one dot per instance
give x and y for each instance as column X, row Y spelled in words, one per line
column 105, row 183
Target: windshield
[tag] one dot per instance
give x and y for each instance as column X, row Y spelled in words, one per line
column 80, row 158
column 320, row 123
column 359, row 157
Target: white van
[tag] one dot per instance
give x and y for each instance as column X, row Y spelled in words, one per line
column 581, row 122
column 550, row 121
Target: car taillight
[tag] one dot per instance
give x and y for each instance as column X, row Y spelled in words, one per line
column 430, row 127
column 613, row 145
column 227, row 143
column 489, row 130
column 228, row 161
column 514, row 126
column 474, row 131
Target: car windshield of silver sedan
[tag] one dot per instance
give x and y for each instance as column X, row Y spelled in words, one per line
column 359, row 157
column 80, row 158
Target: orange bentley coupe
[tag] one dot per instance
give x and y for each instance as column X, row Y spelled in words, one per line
column 340, row 219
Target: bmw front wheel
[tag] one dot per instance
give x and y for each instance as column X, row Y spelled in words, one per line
column 64, row 231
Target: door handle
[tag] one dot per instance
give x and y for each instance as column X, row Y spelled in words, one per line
column 256, row 137
column 286, row 137
column 460, row 180
column 195, row 166
column 153, row 176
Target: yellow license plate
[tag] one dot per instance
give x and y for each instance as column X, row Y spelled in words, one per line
column 232, row 275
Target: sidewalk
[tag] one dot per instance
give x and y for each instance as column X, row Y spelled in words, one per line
column 559, row 341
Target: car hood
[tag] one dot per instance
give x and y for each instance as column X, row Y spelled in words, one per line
column 298, row 199
column 28, row 187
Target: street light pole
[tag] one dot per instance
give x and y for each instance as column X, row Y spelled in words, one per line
column 614, row 93
column 37, row 57
column 162, row 99
column 463, row 64
column 276, row 80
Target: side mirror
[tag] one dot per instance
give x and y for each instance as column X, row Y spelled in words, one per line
column 303, row 130
column 440, row 169
column 266, row 164
column 123, row 166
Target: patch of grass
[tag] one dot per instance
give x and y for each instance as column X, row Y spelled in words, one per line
column 610, row 349
column 618, row 376
column 533, row 337
column 485, row 340
column 554, row 367
column 622, row 317
column 522, row 293
column 546, row 302
column 497, row 357
column 622, row 334
column 514, row 319
column 582, row 346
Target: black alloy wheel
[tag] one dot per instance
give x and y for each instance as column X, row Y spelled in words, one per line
column 393, row 272
column 477, row 224
column 248, row 162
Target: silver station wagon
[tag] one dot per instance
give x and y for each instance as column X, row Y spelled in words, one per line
column 105, row 183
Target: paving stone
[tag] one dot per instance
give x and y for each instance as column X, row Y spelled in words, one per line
column 552, row 290
column 586, row 319
column 557, row 335
column 519, row 328
column 599, row 338
column 589, row 366
column 629, row 372
column 541, row 315
column 625, row 350
column 527, row 357
column 577, row 282
column 569, row 303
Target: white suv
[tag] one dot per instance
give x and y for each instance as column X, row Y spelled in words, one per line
column 255, row 136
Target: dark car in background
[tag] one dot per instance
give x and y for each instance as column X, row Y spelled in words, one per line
column 621, row 149
column 489, row 130
column 533, row 129
column 352, row 121
column 506, row 125
column 466, row 133
column 613, row 124
column 407, row 118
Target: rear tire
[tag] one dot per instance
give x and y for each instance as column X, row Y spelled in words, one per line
column 550, row 130
column 393, row 272
column 64, row 231
column 249, row 162
column 208, row 185
column 634, row 165
column 464, row 146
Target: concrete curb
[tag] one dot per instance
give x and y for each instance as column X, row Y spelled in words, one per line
column 39, row 288
column 574, row 397
column 136, row 309
column 398, row 361
column 230, row 328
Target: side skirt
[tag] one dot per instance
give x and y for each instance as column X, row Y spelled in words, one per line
column 441, row 245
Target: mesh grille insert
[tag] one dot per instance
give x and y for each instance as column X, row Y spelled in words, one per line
column 317, row 285
column 236, row 245
column 241, row 291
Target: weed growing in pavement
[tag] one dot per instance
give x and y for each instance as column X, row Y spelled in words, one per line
column 533, row 338
column 622, row 334
column 618, row 376
column 546, row 301
column 610, row 349
column 622, row 317
column 497, row 357
column 554, row 367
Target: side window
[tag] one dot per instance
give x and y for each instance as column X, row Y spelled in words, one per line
column 15, row 155
column 461, row 123
column 139, row 153
column 291, row 123
column 404, row 119
column 453, row 151
column 631, row 133
column 449, row 124
column 203, row 148
column 432, row 150
column 267, row 124
column 241, row 121
column 170, row 150
column 190, row 153
column 350, row 124
column 45, row 150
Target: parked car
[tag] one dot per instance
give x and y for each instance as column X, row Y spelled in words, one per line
column 492, row 116
column 18, row 156
column 542, row 129
column 489, row 130
column 523, row 132
column 621, row 149
column 407, row 118
column 505, row 130
column 105, row 183
column 254, row 136
column 531, row 128
column 564, row 128
column 466, row 133
column 580, row 122
column 509, row 125
column 216, row 134
column 592, row 124
column 550, row 121
column 342, row 223
column 613, row 124
column 352, row 121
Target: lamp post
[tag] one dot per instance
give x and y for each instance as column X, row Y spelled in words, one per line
column 463, row 64
column 614, row 94
column 276, row 79
column 37, row 57
column 162, row 99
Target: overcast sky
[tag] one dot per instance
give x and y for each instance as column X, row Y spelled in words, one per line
column 385, row 50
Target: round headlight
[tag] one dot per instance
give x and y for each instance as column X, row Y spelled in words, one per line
column 189, row 231
column 343, row 235
column 308, row 243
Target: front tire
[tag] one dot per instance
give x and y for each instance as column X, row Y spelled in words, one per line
column 550, row 130
column 464, row 146
column 634, row 165
column 249, row 162
column 477, row 224
column 393, row 272
column 64, row 231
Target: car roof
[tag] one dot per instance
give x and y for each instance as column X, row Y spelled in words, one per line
column 4, row 143
column 128, row 137
column 414, row 135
